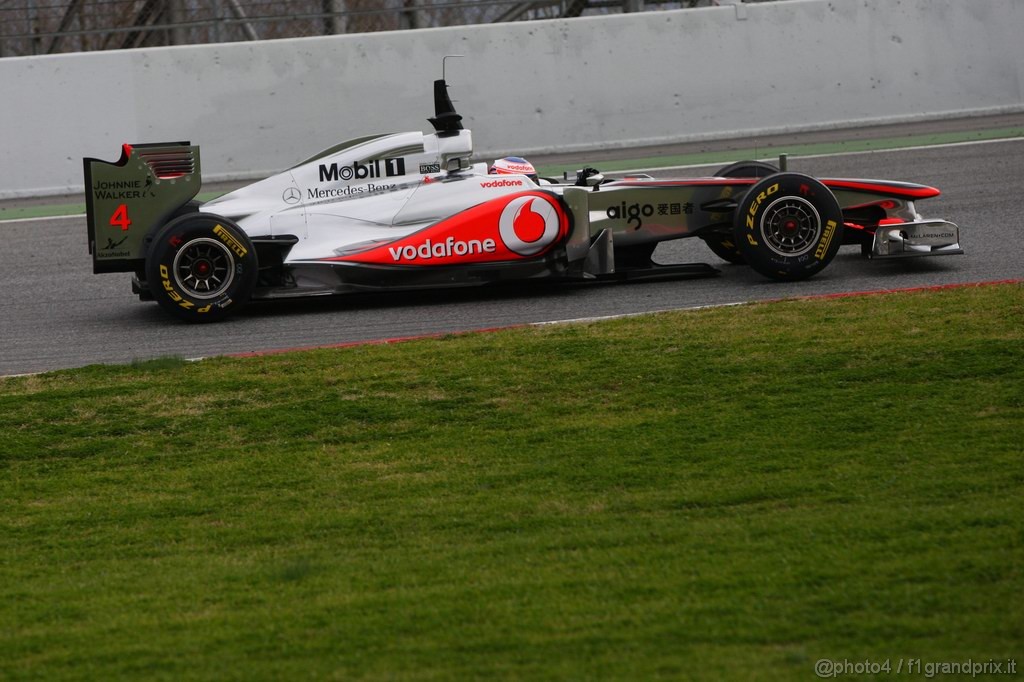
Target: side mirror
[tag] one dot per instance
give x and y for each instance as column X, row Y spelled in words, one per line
column 589, row 177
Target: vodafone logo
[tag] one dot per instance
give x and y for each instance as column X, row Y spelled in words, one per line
column 442, row 249
column 528, row 225
column 501, row 183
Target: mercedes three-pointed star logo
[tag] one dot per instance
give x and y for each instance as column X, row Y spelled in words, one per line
column 292, row 195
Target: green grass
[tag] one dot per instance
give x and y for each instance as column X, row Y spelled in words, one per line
column 724, row 494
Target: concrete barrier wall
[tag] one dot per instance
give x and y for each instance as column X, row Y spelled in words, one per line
column 578, row 84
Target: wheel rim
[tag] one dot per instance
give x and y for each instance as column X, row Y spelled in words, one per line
column 204, row 268
column 790, row 226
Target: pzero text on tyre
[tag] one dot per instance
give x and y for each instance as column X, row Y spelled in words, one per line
column 201, row 267
column 788, row 226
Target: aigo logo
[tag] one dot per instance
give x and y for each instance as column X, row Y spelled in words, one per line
column 528, row 225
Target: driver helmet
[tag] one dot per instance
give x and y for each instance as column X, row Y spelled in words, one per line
column 513, row 165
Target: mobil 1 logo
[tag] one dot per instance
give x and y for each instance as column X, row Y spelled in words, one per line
column 377, row 168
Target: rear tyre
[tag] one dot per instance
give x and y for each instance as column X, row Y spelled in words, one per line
column 747, row 169
column 724, row 246
column 201, row 267
column 788, row 226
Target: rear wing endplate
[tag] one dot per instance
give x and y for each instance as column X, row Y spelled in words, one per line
column 136, row 194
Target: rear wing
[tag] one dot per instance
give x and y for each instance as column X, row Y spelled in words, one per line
column 138, row 193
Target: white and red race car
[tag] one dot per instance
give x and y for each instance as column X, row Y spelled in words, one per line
column 410, row 210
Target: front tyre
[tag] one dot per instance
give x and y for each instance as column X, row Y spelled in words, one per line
column 788, row 226
column 201, row 267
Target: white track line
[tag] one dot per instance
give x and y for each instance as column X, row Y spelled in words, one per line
column 12, row 221
column 578, row 320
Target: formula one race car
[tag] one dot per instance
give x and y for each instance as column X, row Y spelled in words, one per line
column 409, row 210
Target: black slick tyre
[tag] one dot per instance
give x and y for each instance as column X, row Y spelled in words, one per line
column 747, row 169
column 788, row 226
column 724, row 246
column 201, row 267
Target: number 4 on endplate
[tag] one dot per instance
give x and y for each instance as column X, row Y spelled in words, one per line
column 120, row 218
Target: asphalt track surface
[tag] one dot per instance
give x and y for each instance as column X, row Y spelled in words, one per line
column 56, row 314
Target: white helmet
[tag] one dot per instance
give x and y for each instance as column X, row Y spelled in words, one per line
column 513, row 165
